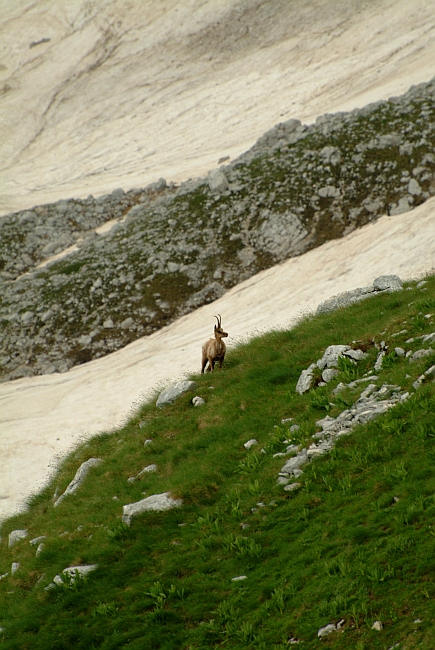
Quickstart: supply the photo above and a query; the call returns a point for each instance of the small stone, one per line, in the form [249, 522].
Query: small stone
[238, 578]
[400, 352]
[82, 570]
[305, 380]
[147, 442]
[170, 394]
[108, 324]
[14, 568]
[356, 355]
[40, 549]
[377, 625]
[15, 536]
[379, 360]
[292, 487]
[414, 187]
[148, 470]
[37, 540]
[156, 503]
[78, 479]
[327, 629]
[328, 374]
[250, 443]
[126, 324]
[420, 354]
[198, 401]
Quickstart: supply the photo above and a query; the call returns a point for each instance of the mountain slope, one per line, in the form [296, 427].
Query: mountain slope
[349, 547]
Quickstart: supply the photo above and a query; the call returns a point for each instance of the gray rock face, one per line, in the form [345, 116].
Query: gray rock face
[170, 394]
[155, 503]
[78, 478]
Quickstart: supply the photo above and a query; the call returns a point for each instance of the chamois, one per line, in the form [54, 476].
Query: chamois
[214, 349]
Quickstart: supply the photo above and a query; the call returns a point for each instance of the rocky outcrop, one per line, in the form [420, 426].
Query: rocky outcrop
[383, 284]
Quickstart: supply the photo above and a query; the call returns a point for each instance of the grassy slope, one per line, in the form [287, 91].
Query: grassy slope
[341, 547]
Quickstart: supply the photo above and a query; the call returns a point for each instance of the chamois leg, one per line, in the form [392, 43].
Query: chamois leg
[204, 363]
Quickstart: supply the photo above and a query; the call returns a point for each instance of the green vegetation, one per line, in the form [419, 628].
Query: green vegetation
[355, 542]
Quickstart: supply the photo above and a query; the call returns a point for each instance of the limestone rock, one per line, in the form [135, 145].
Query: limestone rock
[37, 540]
[81, 570]
[305, 380]
[420, 354]
[331, 356]
[154, 503]
[295, 463]
[377, 625]
[388, 283]
[78, 478]
[281, 234]
[170, 394]
[217, 181]
[382, 283]
[292, 487]
[356, 355]
[327, 629]
[15, 537]
[146, 470]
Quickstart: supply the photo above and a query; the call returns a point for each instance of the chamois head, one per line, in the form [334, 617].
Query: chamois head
[218, 328]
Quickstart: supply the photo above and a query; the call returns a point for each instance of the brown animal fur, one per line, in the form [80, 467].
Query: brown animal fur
[214, 349]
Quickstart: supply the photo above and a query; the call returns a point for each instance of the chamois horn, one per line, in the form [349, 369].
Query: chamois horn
[218, 320]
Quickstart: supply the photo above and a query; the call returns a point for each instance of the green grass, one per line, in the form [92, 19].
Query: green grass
[356, 542]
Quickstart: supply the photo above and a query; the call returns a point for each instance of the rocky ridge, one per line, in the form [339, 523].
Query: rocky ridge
[174, 249]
